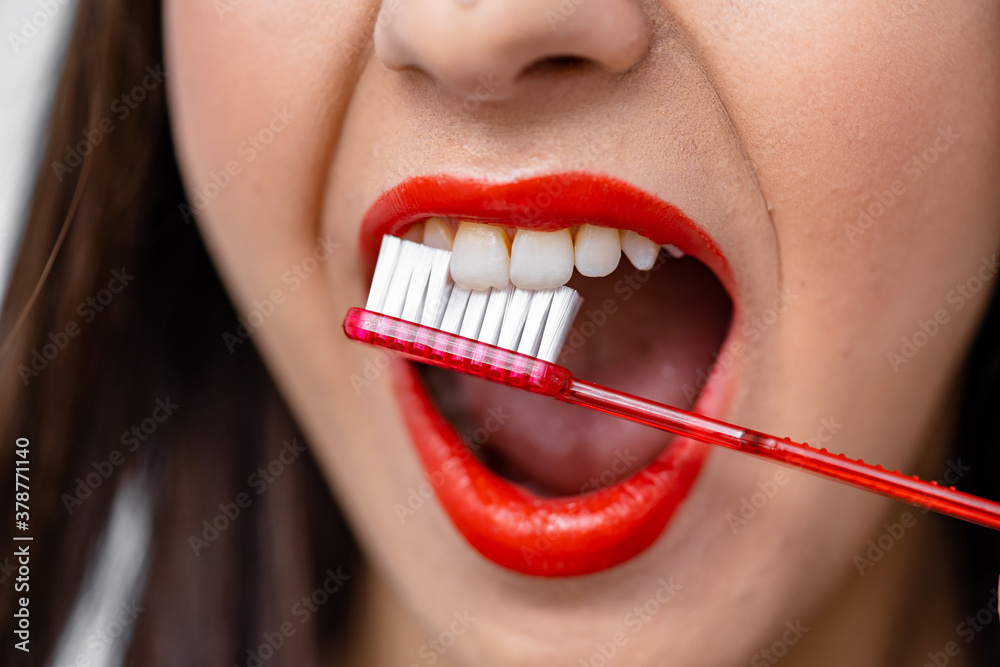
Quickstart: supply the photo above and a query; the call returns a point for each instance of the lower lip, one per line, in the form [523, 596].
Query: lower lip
[548, 537]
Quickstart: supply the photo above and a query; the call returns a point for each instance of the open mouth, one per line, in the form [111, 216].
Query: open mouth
[542, 487]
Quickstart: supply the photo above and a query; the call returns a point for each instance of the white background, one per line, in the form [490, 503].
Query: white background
[28, 75]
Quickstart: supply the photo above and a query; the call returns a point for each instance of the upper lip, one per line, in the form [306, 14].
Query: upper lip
[511, 526]
[545, 203]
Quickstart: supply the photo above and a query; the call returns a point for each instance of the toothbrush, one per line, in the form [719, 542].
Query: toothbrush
[513, 337]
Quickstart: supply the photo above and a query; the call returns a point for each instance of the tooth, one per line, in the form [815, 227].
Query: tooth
[597, 250]
[674, 251]
[414, 233]
[480, 256]
[641, 251]
[438, 234]
[541, 260]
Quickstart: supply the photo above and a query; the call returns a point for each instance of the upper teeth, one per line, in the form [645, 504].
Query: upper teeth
[538, 260]
[597, 250]
[639, 249]
[485, 256]
[437, 234]
[480, 256]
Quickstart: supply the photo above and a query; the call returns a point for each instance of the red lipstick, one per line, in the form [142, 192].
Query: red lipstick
[506, 523]
[544, 203]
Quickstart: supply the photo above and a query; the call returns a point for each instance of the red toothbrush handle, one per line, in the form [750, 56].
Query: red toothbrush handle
[457, 353]
[946, 500]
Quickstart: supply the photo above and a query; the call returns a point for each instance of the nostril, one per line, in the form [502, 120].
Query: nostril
[557, 65]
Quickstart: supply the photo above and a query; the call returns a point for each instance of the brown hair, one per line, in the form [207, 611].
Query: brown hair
[129, 311]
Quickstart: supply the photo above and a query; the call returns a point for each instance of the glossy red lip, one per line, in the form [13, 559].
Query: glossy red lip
[507, 524]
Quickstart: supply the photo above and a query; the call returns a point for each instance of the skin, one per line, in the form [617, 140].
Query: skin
[771, 124]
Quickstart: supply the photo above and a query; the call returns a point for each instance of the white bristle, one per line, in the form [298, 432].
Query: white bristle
[413, 282]
[384, 267]
[562, 312]
[439, 287]
[400, 282]
[474, 312]
[513, 319]
[417, 289]
[534, 323]
[455, 310]
[495, 309]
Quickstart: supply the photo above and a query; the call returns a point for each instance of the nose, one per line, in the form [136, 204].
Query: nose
[472, 45]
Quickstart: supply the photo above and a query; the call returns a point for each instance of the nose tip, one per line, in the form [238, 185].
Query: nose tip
[486, 47]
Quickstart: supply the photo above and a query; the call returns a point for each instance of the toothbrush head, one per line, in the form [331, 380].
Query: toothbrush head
[412, 282]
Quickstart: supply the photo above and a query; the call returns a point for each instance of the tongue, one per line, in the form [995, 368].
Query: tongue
[653, 334]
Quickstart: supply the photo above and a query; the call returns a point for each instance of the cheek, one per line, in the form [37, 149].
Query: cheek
[880, 197]
[257, 94]
[875, 152]
[257, 98]
[852, 108]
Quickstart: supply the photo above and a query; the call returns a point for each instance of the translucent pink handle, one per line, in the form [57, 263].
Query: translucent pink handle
[445, 350]
[913, 490]
[465, 355]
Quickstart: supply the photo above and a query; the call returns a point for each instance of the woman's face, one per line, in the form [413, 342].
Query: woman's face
[842, 157]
